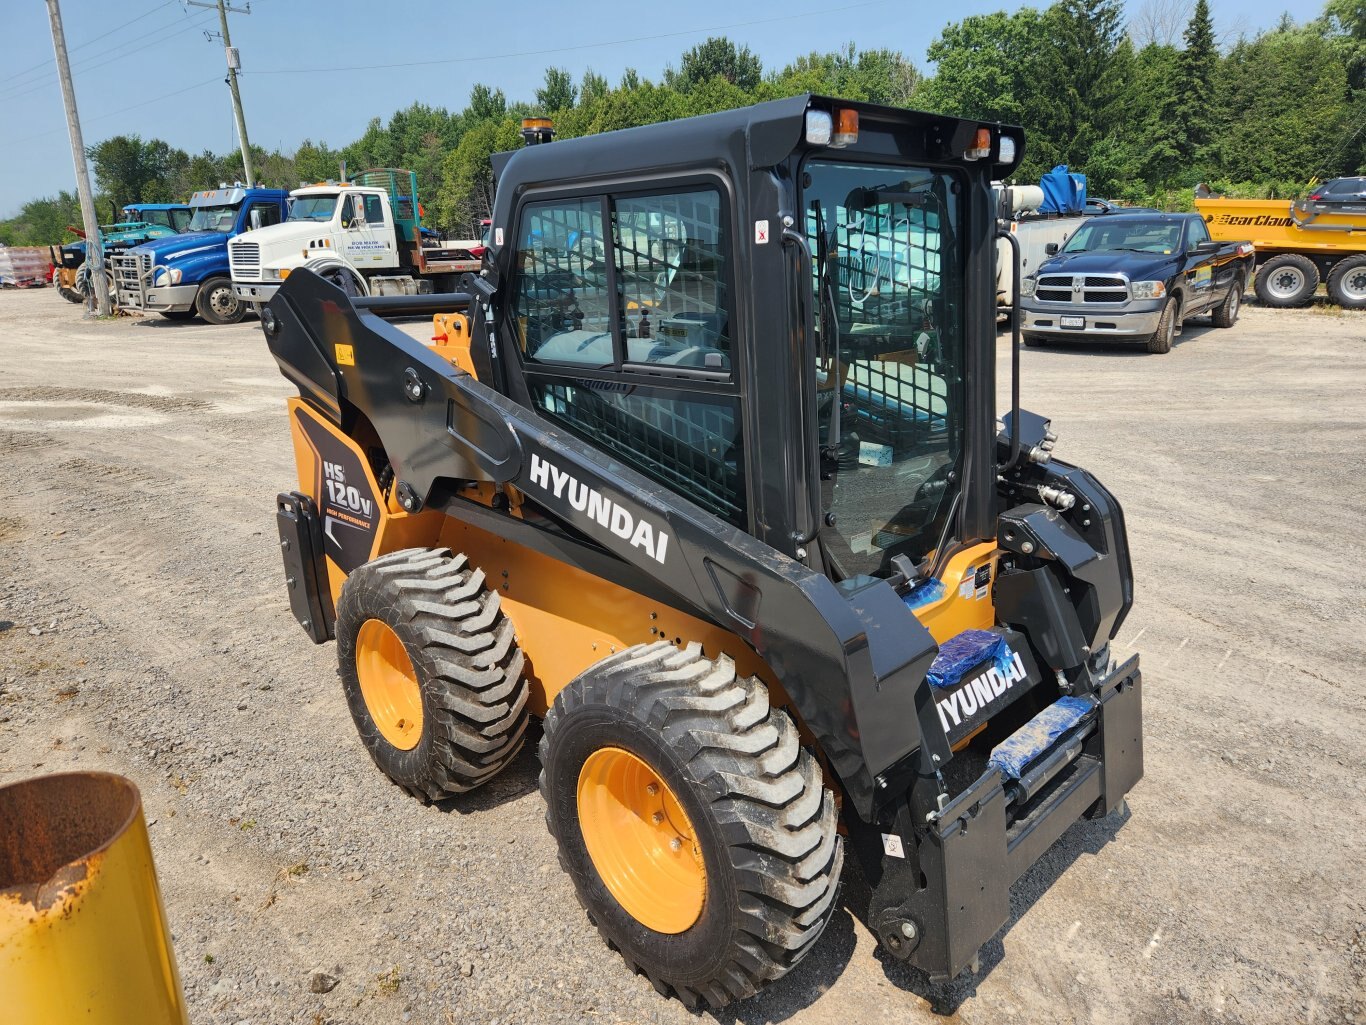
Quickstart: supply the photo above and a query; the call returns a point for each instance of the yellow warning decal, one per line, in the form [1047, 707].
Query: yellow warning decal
[346, 355]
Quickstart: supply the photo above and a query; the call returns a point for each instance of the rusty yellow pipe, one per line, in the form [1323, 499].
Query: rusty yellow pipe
[83, 934]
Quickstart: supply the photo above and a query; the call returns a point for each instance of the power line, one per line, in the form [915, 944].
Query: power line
[157, 37]
[122, 110]
[567, 49]
[98, 39]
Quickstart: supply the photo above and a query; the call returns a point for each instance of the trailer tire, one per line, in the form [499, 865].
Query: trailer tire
[1160, 341]
[217, 303]
[699, 835]
[1286, 281]
[431, 671]
[1226, 313]
[1347, 283]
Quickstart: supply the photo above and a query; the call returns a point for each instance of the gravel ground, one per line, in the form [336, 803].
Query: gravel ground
[144, 629]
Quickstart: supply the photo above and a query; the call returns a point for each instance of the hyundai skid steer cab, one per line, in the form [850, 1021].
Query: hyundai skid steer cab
[703, 470]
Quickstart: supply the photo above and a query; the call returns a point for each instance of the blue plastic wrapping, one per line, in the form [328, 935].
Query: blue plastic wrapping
[923, 593]
[1063, 192]
[1011, 755]
[968, 649]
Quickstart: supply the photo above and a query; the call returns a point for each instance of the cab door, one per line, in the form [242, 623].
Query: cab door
[1199, 269]
[366, 246]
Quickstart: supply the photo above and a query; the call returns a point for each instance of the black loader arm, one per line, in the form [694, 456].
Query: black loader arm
[855, 669]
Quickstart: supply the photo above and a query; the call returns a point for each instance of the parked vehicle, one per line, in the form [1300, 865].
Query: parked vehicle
[141, 223]
[366, 236]
[1345, 194]
[1298, 244]
[188, 275]
[1135, 277]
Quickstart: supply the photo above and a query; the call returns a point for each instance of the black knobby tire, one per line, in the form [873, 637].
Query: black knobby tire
[178, 314]
[764, 822]
[217, 303]
[1226, 313]
[1160, 341]
[1034, 341]
[71, 295]
[1347, 283]
[466, 659]
[1287, 280]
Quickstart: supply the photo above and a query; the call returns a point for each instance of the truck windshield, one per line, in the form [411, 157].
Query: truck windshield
[312, 208]
[1106, 233]
[221, 219]
[888, 358]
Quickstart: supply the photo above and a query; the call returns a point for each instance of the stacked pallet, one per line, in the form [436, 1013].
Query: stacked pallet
[24, 266]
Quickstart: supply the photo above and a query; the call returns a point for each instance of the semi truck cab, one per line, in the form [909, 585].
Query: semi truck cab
[365, 236]
[187, 274]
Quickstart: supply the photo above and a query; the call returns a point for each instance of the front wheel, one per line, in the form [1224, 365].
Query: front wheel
[178, 315]
[698, 832]
[217, 302]
[1160, 341]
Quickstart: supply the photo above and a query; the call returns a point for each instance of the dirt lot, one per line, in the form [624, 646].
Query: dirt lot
[144, 629]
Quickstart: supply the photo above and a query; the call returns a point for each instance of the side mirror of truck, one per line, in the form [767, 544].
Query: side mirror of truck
[257, 218]
[1051, 249]
[1206, 247]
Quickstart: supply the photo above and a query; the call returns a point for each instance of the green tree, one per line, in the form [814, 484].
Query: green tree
[130, 170]
[466, 191]
[1193, 110]
[593, 86]
[558, 93]
[486, 104]
[717, 57]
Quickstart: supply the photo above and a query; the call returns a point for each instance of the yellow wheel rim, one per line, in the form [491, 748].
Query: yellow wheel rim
[641, 841]
[388, 683]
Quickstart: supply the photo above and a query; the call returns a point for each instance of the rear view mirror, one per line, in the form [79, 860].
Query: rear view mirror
[1051, 249]
[257, 218]
[1208, 246]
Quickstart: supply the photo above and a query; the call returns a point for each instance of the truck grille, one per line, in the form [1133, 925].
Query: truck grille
[245, 260]
[1108, 288]
[128, 269]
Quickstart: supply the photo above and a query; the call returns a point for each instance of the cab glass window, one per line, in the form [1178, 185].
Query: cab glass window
[374, 210]
[671, 272]
[562, 307]
[262, 214]
[1196, 234]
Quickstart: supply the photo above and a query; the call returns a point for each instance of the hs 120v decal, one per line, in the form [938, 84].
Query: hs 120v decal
[347, 505]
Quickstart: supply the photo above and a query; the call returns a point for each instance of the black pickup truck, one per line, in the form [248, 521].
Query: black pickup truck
[1135, 277]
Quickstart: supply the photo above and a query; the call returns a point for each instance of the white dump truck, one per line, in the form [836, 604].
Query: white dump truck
[364, 235]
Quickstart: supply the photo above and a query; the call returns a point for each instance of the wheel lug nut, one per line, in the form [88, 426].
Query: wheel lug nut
[676, 844]
[652, 789]
[658, 817]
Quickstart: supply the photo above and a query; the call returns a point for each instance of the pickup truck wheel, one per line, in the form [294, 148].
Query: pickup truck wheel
[217, 303]
[1161, 340]
[1226, 313]
[1287, 280]
[1034, 341]
[1347, 283]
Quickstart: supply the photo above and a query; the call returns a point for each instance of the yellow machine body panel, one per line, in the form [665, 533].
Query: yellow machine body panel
[567, 619]
[1278, 225]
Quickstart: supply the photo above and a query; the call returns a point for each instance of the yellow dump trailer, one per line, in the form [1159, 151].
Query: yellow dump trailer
[1298, 245]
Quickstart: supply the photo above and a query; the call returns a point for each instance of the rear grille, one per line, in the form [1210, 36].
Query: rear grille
[245, 260]
[1109, 288]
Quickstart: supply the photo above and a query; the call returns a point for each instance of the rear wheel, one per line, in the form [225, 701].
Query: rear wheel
[697, 831]
[1287, 280]
[1160, 341]
[1226, 313]
[1347, 283]
[217, 303]
[431, 671]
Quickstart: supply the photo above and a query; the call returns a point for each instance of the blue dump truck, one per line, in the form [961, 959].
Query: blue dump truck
[187, 275]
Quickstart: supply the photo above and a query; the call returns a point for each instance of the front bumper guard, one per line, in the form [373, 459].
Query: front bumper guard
[949, 892]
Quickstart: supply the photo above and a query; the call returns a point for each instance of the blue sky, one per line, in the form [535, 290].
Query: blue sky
[144, 67]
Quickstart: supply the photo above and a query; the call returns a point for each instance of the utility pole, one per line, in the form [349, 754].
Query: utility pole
[94, 247]
[234, 62]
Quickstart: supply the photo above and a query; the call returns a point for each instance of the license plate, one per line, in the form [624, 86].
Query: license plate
[1072, 322]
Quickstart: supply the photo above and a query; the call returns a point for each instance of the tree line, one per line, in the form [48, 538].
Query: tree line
[1145, 109]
